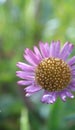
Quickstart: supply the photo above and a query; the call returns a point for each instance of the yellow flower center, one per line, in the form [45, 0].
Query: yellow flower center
[53, 74]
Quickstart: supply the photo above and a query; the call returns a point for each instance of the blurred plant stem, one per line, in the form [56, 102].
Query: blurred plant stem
[55, 120]
[24, 123]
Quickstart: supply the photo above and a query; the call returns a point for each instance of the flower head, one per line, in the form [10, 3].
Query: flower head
[48, 68]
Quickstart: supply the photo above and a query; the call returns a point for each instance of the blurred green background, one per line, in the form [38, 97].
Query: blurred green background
[23, 23]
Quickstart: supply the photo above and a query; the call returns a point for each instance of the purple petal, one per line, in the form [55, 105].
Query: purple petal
[72, 61]
[68, 51]
[65, 93]
[73, 83]
[32, 88]
[49, 97]
[32, 56]
[23, 75]
[57, 48]
[24, 82]
[45, 99]
[25, 67]
[73, 68]
[62, 96]
[37, 52]
[64, 50]
[52, 49]
[72, 88]
[27, 58]
[28, 94]
[46, 45]
[73, 76]
[43, 49]
[26, 73]
[73, 72]
[69, 94]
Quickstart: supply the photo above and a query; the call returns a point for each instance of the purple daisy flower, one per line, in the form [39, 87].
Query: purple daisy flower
[48, 69]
